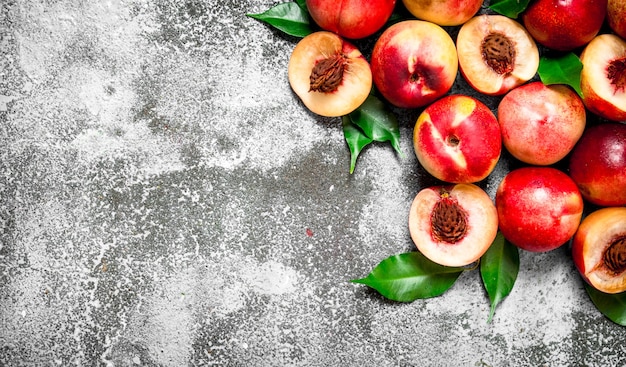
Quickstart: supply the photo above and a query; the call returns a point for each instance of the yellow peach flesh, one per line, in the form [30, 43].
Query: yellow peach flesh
[481, 230]
[357, 79]
[473, 65]
[600, 95]
[596, 231]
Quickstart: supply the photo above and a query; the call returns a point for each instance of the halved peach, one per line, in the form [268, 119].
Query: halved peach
[453, 225]
[329, 74]
[599, 249]
[603, 78]
[496, 54]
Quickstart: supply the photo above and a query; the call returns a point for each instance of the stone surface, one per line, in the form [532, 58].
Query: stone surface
[166, 200]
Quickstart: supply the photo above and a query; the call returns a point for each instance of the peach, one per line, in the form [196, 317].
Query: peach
[603, 77]
[496, 54]
[444, 12]
[539, 208]
[564, 25]
[351, 18]
[598, 164]
[453, 225]
[457, 139]
[329, 74]
[541, 123]
[599, 249]
[616, 16]
[414, 62]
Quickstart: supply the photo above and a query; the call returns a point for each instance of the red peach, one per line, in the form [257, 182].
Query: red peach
[539, 208]
[444, 12]
[351, 18]
[616, 16]
[414, 62]
[541, 123]
[457, 139]
[598, 164]
[564, 25]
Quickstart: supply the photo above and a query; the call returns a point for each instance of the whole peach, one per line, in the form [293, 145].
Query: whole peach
[598, 164]
[616, 16]
[457, 139]
[539, 208]
[564, 25]
[414, 62]
[351, 18]
[541, 123]
[444, 12]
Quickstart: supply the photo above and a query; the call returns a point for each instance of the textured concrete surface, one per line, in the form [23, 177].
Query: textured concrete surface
[166, 200]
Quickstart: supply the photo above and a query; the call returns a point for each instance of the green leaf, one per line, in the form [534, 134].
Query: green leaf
[289, 17]
[561, 70]
[498, 268]
[509, 8]
[410, 276]
[356, 140]
[612, 306]
[302, 5]
[377, 122]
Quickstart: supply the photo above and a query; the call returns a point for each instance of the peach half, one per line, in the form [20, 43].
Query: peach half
[457, 139]
[453, 225]
[496, 54]
[599, 249]
[603, 78]
[329, 74]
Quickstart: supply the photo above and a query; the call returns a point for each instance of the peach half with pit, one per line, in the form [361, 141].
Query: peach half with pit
[453, 225]
[352, 19]
[414, 62]
[541, 123]
[539, 208]
[330, 75]
[457, 139]
[599, 249]
[496, 54]
[603, 77]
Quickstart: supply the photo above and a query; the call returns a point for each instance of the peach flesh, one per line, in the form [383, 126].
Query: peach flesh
[539, 208]
[453, 225]
[457, 139]
[330, 75]
[414, 63]
[541, 123]
[603, 77]
[599, 249]
[496, 54]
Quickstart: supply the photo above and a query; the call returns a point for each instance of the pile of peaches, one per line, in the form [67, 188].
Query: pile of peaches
[459, 140]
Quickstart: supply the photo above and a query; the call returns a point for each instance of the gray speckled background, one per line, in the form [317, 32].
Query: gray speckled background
[166, 200]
